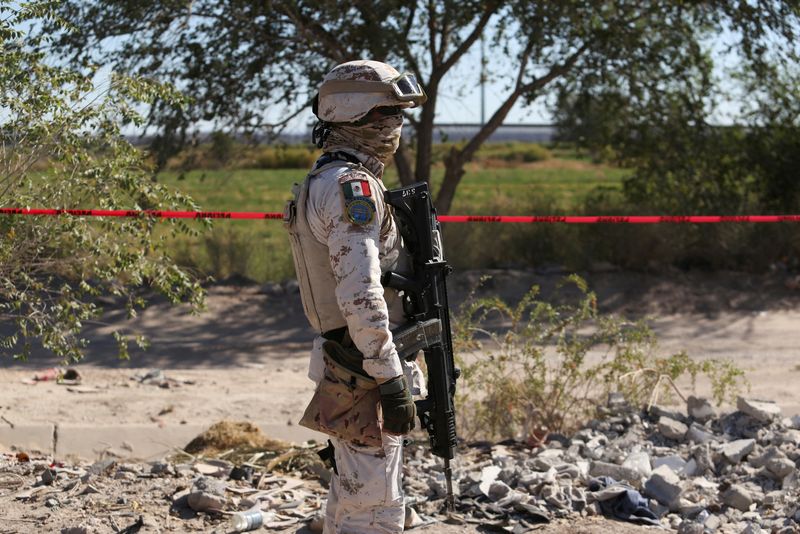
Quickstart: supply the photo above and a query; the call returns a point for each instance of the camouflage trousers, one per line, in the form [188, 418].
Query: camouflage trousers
[366, 496]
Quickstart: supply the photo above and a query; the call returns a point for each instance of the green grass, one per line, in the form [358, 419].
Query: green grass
[259, 249]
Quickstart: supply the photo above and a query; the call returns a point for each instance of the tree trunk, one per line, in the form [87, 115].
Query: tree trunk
[453, 171]
[401, 161]
[425, 134]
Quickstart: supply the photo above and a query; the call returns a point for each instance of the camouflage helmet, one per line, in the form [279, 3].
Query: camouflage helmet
[352, 89]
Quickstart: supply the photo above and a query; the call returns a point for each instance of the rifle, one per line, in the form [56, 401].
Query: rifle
[426, 309]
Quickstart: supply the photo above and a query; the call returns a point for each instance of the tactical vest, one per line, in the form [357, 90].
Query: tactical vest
[312, 259]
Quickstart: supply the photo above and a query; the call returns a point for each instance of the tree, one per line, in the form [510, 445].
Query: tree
[238, 57]
[60, 146]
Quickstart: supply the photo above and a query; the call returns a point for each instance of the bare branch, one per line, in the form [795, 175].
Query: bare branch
[471, 38]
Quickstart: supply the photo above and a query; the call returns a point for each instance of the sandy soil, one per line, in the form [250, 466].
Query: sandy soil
[245, 358]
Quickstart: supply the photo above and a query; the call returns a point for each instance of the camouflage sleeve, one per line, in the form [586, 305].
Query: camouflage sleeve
[354, 256]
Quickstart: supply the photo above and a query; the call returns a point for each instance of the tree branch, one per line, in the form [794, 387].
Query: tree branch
[471, 38]
[314, 31]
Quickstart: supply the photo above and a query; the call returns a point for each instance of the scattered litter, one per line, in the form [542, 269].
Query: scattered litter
[156, 377]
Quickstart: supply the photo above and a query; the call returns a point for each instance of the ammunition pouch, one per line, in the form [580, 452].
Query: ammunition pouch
[347, 400]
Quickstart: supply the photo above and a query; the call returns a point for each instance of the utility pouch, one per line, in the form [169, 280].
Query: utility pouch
[346, 402]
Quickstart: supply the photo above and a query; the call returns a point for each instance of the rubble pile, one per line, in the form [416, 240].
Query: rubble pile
[692, 471]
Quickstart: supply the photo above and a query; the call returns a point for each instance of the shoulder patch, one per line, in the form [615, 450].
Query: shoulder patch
[359, 210]
[354, 189]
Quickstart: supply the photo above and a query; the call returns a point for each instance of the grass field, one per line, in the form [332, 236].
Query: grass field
[259, 249]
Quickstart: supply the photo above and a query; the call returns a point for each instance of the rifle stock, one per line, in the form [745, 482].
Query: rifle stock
[426, 309]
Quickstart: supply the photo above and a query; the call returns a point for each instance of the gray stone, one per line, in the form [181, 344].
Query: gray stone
[659, 411]
[700, 409]
[739, 497]
[788, 436]
[640, 461]
[672, 429]
[664, 486]
[75, 530]
[712, 522]
[690, 469]
[764, 411]
[762, 459]
[699, 434]
[773, 497]
[673, 461]
[617, 472]
[691, 527]
[795, 422]
[734, 451]
[780, 467]
[207, 495]
[498, 490]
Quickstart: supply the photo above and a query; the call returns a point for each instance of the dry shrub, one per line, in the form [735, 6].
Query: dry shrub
[546, 366]
[236, 435]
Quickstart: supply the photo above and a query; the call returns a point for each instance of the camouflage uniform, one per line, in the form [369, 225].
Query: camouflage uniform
[343, 237]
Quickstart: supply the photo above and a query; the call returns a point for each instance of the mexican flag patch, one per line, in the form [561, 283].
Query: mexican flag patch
[356, 189]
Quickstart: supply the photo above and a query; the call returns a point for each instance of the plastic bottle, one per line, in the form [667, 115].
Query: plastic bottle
[244, 521]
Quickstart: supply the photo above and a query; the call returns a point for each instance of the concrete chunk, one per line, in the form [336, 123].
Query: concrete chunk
[672, 429]
[764, 411]
[617, 472]
[737, 496]
[736, 450]
[699, 434]
[780, 467]
[640, 461]
[664, 486]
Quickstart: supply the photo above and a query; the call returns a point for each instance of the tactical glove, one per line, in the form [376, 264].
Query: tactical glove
[398, 406]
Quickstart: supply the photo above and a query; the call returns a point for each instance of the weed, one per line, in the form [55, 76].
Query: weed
[545, 366]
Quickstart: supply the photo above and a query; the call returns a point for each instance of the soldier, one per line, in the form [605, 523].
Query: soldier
[343, 237]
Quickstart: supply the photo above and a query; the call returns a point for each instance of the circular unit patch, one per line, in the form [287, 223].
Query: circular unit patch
[360, 211]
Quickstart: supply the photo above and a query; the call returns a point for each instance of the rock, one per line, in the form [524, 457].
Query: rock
[162, 468]
[207, 495]
[739, 497]
[498, 490]
[762, 459]
[664, 486]
[700, 409]
[48, 476]
[640, 461]
[488, 477]
[736, 450]
[698, 434]
[712, 522]
[764, 411]
[656, 412]
[617, 472]
[673, 461]
[691, 527]
[75, 530]
[795, 422]
[780, 467]
[672, 429]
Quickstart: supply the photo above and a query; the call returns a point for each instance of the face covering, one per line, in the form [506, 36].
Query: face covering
[378, 139]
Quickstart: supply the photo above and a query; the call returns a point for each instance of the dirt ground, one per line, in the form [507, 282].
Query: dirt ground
[245, 358]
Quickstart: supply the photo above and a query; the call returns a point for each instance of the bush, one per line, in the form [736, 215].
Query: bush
[288, 157]
[546, 366]
[52, 270]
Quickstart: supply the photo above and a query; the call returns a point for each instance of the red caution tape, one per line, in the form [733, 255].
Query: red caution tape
[595, 219]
